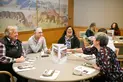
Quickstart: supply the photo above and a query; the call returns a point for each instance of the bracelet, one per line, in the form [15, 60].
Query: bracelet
[13, 60]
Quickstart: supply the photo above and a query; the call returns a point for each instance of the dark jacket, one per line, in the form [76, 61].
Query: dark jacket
[89, 33]
[116, 32]
[75, 43]
[12, 50]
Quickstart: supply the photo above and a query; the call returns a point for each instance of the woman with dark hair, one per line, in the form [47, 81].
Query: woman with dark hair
[69, 38]
[91, 30]
[114, 26]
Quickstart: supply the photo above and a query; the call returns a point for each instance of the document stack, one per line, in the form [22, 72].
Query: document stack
[59, 52]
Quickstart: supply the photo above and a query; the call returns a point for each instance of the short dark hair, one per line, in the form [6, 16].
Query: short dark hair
[102, 30]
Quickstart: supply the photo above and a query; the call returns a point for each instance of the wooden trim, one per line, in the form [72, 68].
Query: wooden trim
[70, 12]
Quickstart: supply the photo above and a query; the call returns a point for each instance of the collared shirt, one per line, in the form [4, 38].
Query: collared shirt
[35, 45]
[3, 57]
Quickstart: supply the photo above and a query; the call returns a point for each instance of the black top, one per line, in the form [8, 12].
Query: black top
[75, 43]
[89, 33]
[116, 32]
[13, 50]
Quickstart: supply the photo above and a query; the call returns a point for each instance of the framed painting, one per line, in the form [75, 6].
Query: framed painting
[28, 14]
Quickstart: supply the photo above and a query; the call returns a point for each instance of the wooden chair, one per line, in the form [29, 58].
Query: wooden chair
[8, 73]
[117, 51]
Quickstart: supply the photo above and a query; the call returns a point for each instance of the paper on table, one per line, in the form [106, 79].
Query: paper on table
[30, 60]
[85, 70]
[89, 57]
[17, 69]
[54, 76]
[78, 54]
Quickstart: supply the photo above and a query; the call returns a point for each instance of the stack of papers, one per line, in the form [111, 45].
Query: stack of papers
[23, 68]
[30, 60]
[90, 57]
[51, 77]
[78, 54]
[81, 70]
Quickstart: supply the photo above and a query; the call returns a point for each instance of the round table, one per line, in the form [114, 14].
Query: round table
[66, 69]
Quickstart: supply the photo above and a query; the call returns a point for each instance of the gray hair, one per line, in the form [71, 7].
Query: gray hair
[9, 30]
[35, 30]
[103, 38]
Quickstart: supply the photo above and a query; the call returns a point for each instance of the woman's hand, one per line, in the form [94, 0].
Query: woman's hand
[96, 67]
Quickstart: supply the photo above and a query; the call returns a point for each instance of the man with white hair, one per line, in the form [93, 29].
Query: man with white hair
[37, 42]
[10, 52]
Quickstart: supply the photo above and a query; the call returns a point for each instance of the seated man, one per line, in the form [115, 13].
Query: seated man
[37, 42]
[10, 52]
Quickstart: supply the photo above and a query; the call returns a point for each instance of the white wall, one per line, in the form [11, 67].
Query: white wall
[102, 12]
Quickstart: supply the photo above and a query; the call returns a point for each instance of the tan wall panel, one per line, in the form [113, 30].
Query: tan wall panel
[53, 35]
[82, 28]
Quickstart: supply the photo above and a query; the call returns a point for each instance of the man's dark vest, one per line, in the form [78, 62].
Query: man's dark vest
[13, 51]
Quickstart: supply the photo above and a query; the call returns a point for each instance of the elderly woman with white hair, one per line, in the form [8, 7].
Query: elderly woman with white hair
[37, 42]
[11, 51]
[106, 60]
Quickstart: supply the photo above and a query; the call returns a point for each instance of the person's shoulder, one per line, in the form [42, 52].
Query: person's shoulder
[88, 31]
[62, 37]
[43, 37]
[31, 37]
[19, 41]
[3, 40]
[109, 49]
[75, 37]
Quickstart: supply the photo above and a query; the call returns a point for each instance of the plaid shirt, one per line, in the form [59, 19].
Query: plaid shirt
[107, 61]
[3, 57]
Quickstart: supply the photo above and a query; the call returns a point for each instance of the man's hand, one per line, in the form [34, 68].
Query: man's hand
[48, 51]
[21, 59]
[41, 40]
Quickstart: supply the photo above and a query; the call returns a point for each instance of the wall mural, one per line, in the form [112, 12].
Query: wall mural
[26, 14]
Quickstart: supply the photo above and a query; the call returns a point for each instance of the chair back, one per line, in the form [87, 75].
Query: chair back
[117, 51]
[8, 73]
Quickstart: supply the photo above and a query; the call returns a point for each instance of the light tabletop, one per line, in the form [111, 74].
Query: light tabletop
[66, 69]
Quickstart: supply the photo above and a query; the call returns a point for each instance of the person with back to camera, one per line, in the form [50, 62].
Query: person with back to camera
[69, 38]
[110, 42]
[91, 30]
[114, 26]
[106, 60]
[37, 42]
[11, 51]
